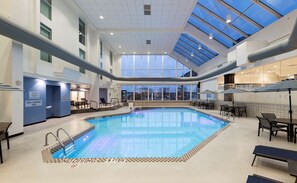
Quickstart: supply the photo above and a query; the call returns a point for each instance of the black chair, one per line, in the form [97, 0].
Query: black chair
[224, 109]
[242, 110]
[84, 102]
[4, 135]
[102, 100]
[271, 116]
[266, 124]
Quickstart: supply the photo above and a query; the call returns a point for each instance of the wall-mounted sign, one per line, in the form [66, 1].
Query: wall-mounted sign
[34, 95]
[33, 103]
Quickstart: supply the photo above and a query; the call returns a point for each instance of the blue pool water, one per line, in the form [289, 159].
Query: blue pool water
[159, 132]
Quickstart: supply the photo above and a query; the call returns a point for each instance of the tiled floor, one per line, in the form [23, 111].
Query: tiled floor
[227, 158]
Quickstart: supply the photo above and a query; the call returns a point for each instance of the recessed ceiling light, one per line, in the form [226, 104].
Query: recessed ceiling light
[242, 73]
[124, 53]
[148, 52]
[111, 33]
[199, 47]
[120, 46]
[210, 36]
[101, 17]
[165, 52]
[257, 70]
[228, 19]
[134, 52]
[192, 54]
[275, 66]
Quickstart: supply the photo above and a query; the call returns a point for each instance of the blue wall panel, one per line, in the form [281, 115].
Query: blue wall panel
[51, 93]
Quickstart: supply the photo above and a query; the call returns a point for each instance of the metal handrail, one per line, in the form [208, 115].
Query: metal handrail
[65, 133]
[61, 144]
[116, 100]
[93, 101]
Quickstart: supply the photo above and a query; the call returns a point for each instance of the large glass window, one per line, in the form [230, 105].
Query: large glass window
[46, 32]
[46, 8]
[194, 92]
[187, 92]
[82, 32]
[141, 92]
[180, 92]
[155, 92]
[151, 66]
[130, 91]
[169, 92]
[82, 55]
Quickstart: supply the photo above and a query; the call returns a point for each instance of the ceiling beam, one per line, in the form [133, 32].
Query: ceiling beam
[180, 58]
[114, 30]
[221, 19]
[214, 28]
[238, 13]
[203, 38]
[267, 8]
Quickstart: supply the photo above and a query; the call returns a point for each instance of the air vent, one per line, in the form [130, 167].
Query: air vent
[148, 41]
[147, 9]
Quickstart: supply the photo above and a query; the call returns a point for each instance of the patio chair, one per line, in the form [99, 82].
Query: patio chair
[266, 124]
[224, 109]
[271, 116]
[4, 136]
[260, 179]
[274, 153]
[102, 100]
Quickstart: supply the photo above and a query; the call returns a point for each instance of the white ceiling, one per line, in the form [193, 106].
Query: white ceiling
[131, 28]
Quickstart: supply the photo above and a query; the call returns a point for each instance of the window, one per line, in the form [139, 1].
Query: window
[46, 32]
[46, 8]
[101, 49]
[111, 58]
[82, 55]
[82, 32]
[194, 92]
[169, 92]
[155, 92]
[101, 67]
[141, 92]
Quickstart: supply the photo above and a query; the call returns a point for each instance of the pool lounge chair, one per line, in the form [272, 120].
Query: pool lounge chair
[274, 153]
[260, 179]
[272, 127]
[102, 101]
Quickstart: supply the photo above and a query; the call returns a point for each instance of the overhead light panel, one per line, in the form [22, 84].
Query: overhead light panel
[210, 36]
[101, 17]
[199, 47]
[192, 54]
[228, 19]
[165, 53]
[124, 53]
[120, 46]
[147, 9]
[111, 33]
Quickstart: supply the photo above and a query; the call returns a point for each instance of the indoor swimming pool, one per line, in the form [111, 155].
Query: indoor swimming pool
[145, 133]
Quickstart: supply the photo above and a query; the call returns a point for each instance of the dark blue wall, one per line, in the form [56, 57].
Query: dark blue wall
[52, 93]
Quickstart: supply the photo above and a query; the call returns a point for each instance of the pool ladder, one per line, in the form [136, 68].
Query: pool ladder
[58, 139]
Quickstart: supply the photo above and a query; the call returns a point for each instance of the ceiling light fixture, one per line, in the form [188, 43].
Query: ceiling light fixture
[210, 36]
[120, 46]
[165, 53]
[101, 17]
[192, 54]
[111, 33]
[228, 19]
[199, 47]
[124, 53]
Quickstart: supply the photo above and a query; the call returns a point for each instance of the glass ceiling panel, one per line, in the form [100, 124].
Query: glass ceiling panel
[189, 51]
[204, 28]
[188, 54]
[194, 41]
[237, 21]
[280, 6]
[179, 50]
[260, 15]
[193, 50]
[245, 26]
[240, 5]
